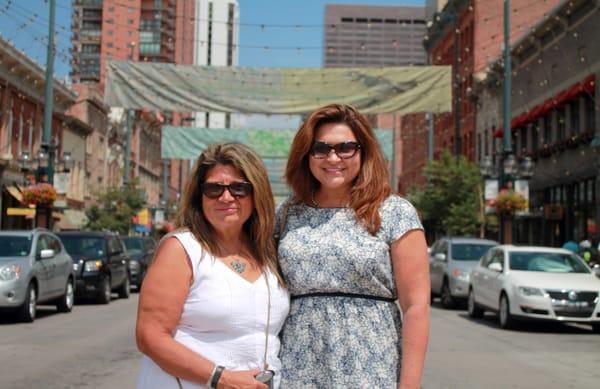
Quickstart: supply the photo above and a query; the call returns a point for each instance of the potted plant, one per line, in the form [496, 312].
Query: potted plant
[42, 194]
[509, 201]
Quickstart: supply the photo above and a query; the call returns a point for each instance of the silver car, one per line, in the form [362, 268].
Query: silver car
[34, 268]
[450, 263]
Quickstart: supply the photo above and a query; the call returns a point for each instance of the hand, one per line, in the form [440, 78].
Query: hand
[243, 379]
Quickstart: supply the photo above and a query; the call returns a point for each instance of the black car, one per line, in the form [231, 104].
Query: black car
[101, 263]
[140, 250]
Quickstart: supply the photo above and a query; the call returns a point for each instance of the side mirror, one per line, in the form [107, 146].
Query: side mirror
[596, 270]
[45, 254]
[440, 257]
[495, 266]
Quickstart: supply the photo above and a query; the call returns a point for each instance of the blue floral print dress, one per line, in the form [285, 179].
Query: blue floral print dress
[339, 341]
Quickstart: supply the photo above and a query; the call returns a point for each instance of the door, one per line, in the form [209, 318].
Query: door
[116, 261]
[489, 279]
[497, 281]
[62, 265]
[438, 267]
[43, 269]
[477, 276]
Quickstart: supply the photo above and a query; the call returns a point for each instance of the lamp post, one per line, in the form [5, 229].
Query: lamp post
[505, 176]
[40, 166]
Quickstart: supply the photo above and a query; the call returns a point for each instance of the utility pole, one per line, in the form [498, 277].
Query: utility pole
[457, 82]
[47, 134]
[506, 108]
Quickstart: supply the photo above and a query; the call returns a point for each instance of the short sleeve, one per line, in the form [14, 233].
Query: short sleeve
[398, 217]
[280, 215]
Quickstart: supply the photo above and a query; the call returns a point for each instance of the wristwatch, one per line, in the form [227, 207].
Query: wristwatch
[215, 376]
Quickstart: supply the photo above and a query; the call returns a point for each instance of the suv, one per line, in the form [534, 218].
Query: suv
[34, 268]
[101, 263]
[450, 264]
[140, 250]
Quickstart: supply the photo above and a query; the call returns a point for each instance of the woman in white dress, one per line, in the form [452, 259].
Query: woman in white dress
[213, 301]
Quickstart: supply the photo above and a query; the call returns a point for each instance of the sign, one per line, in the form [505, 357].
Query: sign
[20, 211]
[142, 221]
[491, 189]
[159, 216]
[61, 182]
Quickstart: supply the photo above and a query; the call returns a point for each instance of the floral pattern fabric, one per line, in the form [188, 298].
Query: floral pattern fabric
[336, 341]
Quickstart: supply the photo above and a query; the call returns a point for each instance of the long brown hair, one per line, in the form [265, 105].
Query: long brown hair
[259, 227]
[371, 186]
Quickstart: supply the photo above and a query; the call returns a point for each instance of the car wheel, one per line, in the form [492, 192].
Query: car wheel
[104, 292]
[27, 311]
[65, 303]
[124, 289]
[446, 296]
[474, 311]
[507, 320]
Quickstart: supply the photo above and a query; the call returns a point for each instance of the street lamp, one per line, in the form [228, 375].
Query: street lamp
[511, 172]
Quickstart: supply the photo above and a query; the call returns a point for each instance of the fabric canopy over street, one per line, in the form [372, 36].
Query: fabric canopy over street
[189, 88]
[272, 146]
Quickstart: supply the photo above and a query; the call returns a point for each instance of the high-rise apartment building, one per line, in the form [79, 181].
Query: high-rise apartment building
[216, 30]
[360, 35]
[145, 30]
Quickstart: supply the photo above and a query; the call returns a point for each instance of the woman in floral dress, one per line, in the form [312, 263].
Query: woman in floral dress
[350, 250]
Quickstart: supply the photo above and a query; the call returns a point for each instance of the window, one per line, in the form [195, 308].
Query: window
[590, 114]
[548, 129]
[113, 245]
[575, 122]
[89, 48]
[560, 124]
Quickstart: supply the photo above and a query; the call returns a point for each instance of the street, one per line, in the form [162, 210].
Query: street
[94, 347]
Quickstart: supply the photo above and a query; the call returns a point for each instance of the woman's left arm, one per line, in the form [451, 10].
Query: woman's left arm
[411, 274]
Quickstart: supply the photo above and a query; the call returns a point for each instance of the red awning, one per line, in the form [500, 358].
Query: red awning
[585, 86]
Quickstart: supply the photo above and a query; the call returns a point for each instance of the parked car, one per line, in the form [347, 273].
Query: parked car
[540, 283]
[450, 264]
[34, 268]
[101, 263]
[140, 250]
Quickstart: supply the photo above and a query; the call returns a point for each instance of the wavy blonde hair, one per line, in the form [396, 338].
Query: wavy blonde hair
[259, 227]
[371, 186]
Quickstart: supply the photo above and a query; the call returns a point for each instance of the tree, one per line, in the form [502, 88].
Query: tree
[450, 201]
[115, 209]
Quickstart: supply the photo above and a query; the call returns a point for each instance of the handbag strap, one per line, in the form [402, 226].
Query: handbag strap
[265, 364]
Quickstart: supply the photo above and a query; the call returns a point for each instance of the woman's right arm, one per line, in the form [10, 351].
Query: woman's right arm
[162, 298]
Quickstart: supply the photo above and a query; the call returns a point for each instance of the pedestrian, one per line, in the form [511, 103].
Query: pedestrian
[571, 246]
[213, 301]
[588, 253]
[348, 250]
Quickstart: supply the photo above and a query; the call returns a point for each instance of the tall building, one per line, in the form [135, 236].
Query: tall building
[137, 30]
[432, 7]
[360, 35]
[216, 29]
[145, 30]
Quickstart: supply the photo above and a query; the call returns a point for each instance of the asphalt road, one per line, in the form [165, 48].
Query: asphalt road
[93, 347]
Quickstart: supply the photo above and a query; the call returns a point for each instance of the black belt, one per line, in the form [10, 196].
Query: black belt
[340, 294]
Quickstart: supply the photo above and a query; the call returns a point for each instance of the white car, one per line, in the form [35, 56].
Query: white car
[540, 283]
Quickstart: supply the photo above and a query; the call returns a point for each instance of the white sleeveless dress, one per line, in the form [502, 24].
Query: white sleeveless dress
[224, 319]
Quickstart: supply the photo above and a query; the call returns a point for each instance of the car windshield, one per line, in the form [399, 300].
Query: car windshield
[547, 262]
[469, 251]
[134, 245]
[15, 245]
[84, 245]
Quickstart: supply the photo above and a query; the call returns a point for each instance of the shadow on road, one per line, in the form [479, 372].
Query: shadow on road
[542, 327]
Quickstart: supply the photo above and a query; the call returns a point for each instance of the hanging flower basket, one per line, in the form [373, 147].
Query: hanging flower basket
[39, 194]
[509, 201]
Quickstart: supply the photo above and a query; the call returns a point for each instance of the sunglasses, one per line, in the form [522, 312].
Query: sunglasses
[214, 190]
[344, 150]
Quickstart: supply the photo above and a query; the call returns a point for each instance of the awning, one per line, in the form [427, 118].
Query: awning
[586, 86]
[15, 192]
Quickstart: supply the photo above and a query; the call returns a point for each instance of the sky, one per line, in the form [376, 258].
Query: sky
[25, 24]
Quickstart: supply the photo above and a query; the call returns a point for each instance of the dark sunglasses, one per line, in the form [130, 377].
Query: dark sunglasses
[214, 190]
[344, 150]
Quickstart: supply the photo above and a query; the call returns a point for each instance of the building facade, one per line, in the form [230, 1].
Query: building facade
[555, 115]
[22, 85]
[359, 35]
[216, 28]
[137, 30]
[466, 35]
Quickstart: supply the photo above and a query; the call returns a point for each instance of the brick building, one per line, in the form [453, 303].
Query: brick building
[467, 35]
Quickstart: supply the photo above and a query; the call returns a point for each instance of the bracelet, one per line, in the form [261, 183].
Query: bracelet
[215, 376]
